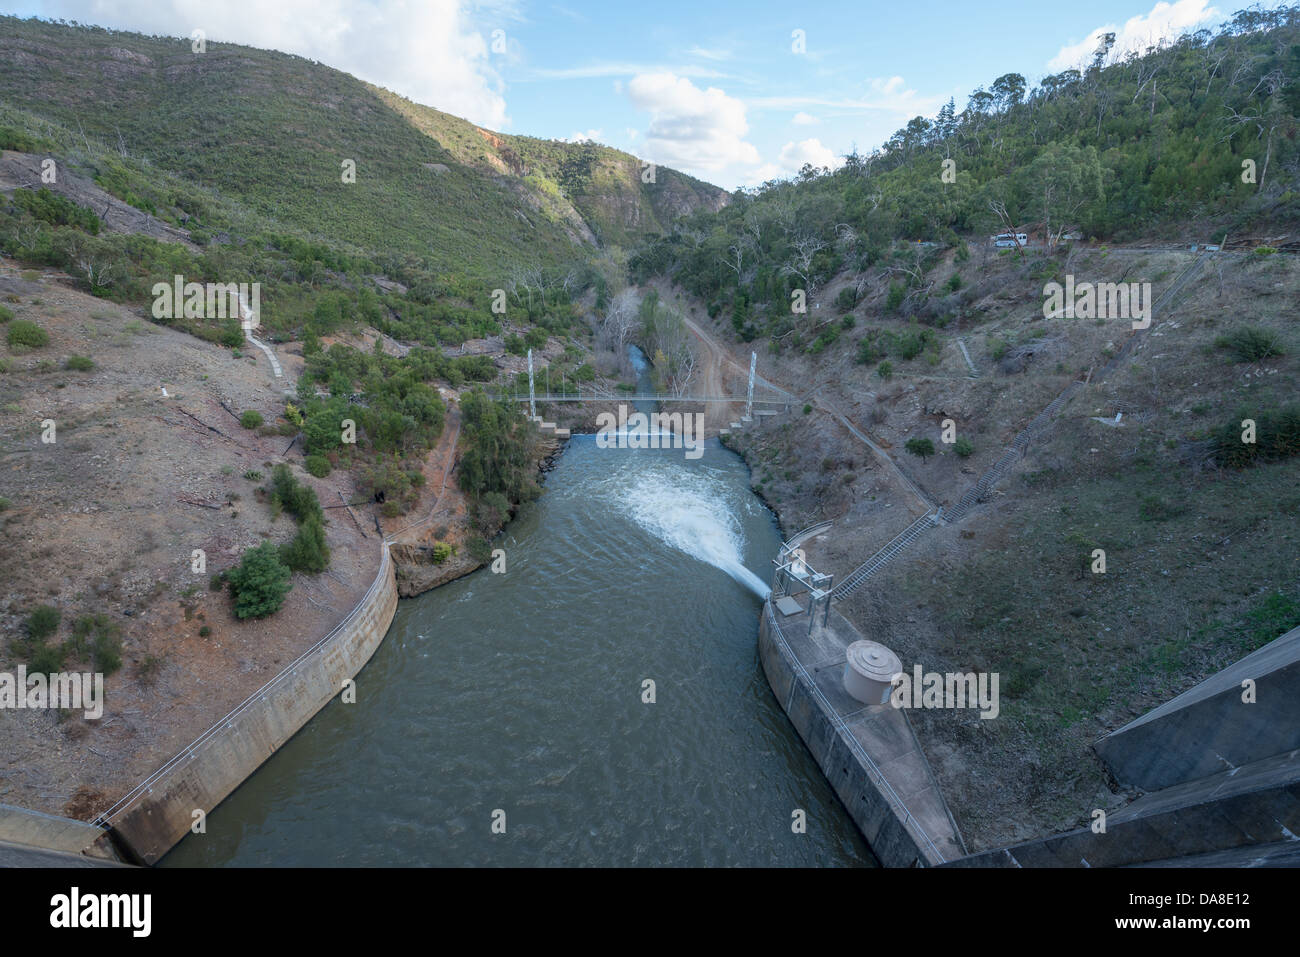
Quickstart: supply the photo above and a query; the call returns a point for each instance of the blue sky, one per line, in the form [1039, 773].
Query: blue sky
[716, 88]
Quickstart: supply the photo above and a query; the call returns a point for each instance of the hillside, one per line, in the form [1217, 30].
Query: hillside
[270, 132]
[907, 341]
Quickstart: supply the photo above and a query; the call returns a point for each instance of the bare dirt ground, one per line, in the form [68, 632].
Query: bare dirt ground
[106, 518]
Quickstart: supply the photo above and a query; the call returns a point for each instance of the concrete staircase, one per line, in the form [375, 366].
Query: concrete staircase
[548, 427]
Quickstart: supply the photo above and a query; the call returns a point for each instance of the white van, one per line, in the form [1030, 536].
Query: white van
[1008, 240]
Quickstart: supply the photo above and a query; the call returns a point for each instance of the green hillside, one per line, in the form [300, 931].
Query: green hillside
[271, 131]
[1144, 147]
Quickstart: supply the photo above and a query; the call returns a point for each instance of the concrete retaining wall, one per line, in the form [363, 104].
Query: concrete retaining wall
[880, 823]
[159, 812]
[19, 826]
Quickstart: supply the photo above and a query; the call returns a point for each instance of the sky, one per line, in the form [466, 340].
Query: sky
[735, 93]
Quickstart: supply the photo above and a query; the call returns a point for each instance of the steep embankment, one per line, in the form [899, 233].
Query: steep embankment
[105, 520]
[1200, 561]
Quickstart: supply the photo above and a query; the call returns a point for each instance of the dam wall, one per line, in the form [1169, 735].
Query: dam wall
[1215, 725]
[153, 817]
[869, 755]
[20, 827]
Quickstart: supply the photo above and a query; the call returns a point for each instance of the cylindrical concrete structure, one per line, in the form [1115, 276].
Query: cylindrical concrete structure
[869, 672]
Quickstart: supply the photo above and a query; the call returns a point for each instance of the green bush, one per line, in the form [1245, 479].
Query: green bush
[441, 552]
[232, 334]
[1251, 343]
[885, 370]
[807, 409]
[260, 582]
[920, 447]
[45, 659]
[251, 419]
[1277, 437]
[317, 465]
[6, 313]
[43, 622]
[297, 499]
[205, 631]
[479, 549]
[963, 447]
[308, 551]
[79, 364]
[23, 332]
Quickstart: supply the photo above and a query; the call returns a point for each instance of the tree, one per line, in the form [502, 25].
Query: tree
[920, 447]
[1008, 90]
[259, 583]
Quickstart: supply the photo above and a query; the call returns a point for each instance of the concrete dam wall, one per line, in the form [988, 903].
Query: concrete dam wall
[152, 818]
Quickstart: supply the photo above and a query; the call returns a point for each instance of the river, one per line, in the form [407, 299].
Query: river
[521, 698]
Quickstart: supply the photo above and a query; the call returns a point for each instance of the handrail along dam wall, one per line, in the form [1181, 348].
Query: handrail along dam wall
[159, 811]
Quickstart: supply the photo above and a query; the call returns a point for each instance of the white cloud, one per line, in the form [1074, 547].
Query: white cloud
[883, 94]
[700, 131]
[591, 136]
[1165, 21]
[804, 119]
[431, 51]
[795, 155]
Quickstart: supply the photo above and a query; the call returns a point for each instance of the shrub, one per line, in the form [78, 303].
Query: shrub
[920, 447]
[259, 583]
[79, 364]
[963, 447]
[43, 622]
[1251, 343]
[441, 552]
[205, 631]
[291, 495]
[1277, 436]
[308, 551]
[23, 332]
[251, 419]
[897, 291]
[232, 334]
[216, 581]
[6, 313]
[253, 475]
[885, 370]
[4, 503]
[479, 549]
[807, 409]
[45, 659]
[317, 465]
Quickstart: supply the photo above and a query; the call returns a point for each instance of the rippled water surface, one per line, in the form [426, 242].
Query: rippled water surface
[523, 692]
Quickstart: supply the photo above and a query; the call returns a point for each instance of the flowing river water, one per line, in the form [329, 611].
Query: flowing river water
[524, 692]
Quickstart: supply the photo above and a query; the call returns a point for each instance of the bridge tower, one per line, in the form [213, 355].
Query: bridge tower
[749, 400]
[532, 396]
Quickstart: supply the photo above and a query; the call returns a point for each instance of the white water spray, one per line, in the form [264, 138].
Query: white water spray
[689, 514]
